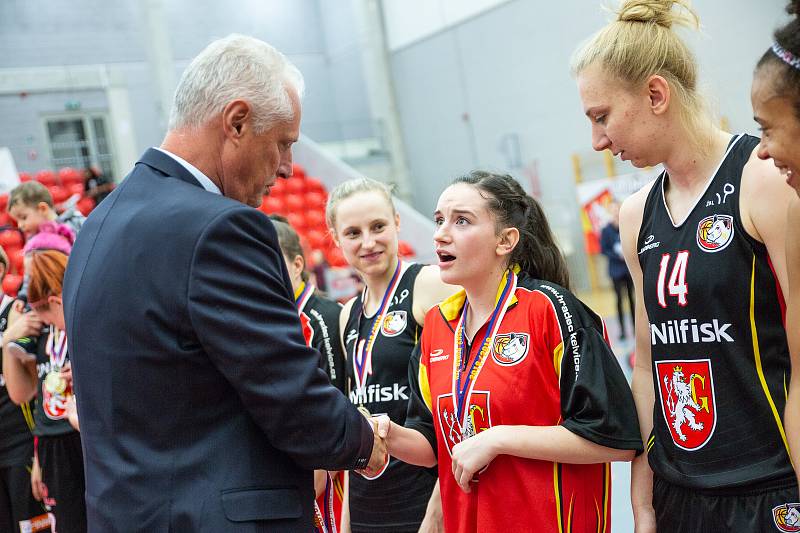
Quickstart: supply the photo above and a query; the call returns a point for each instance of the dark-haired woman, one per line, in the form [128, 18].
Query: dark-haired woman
[319, 317]
[776, 108]
[516, 393]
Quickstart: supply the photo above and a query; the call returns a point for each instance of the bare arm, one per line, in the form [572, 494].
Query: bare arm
[21, 378]
[642, 384]
[406, 444]
[430, 290]
[792, 412]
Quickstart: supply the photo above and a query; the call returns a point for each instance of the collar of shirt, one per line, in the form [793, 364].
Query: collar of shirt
[204, 180]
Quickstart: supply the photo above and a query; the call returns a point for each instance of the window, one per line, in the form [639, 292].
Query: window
[78, 141]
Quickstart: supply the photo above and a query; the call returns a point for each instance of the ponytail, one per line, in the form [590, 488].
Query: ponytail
[536, 253]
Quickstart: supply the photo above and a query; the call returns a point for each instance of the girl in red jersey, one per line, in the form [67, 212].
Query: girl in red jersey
[776, 107]
[516, 394]
[705, 245]
[380, 328]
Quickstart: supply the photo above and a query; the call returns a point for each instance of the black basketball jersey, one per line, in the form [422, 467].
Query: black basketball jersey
[320, 319]
[50, 414]
[720, 356]
[396, 500]
[16, 421]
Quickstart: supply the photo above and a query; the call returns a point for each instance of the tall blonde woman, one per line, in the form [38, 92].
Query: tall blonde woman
[705, 246]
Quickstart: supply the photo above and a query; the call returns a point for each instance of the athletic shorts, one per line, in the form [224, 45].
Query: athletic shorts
[61, 459]
[19, 511]
[767, 507]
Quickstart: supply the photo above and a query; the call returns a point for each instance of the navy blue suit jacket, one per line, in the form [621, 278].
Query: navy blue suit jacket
[201, 407]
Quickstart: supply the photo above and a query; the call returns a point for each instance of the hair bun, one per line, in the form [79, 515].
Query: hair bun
[793, 8]
[658, 12]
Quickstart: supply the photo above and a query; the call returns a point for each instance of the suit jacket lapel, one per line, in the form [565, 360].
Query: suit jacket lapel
[164, 164]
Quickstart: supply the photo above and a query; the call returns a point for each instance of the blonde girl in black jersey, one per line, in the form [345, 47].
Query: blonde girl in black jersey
[638, 85]
[364, 223]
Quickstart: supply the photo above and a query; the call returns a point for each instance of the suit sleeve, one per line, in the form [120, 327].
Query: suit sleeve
[419, 416]
[243, 313]
[596, 401]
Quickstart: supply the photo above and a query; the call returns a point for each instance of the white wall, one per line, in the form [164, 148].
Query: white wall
[468, 92]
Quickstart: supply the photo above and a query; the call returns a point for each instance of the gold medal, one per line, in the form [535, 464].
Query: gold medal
[54, 383]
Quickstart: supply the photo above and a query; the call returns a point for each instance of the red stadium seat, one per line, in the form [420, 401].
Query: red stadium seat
[405, 250]
[6, 220]
[316, 199]
[335, 257]
[75, 188]
[295, 186]
[315, 218]
[317, 238]
[16, 258]
[294, 203]
[298, 171]
[24, 176]
[58, 193]
[85, 205]
[11, 284]
[273, 204]
[314, 185]
[11, 238]
[47, 178]
[3, 202]
[297, 220]
[70, 176]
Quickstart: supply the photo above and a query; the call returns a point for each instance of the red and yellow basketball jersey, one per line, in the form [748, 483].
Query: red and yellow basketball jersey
[549, 364]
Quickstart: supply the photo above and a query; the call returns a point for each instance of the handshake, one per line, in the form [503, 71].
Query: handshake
[379, 459]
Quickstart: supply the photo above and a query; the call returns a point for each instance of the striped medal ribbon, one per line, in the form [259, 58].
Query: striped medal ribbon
[463, 383]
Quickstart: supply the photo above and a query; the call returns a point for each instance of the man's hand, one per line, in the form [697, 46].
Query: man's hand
[380, 455]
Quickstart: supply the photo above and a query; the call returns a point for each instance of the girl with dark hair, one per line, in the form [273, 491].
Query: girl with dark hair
[776, 108]
[319, 317]
[705, 245]
[516, 394]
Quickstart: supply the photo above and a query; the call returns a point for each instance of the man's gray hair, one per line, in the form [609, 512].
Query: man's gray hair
[232, 68]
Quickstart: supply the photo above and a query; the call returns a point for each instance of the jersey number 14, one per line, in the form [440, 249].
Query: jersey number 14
[677, 279]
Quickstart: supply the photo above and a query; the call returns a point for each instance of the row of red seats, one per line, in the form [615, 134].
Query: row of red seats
[302, 200]
[62, 185]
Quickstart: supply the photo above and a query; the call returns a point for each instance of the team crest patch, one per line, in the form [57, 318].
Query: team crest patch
[787, 517]
[715, 233]
[478, 418]
[394, 323]
[687, 401]
[510, 348]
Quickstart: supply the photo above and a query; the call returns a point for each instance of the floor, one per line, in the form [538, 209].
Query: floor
[604, 303]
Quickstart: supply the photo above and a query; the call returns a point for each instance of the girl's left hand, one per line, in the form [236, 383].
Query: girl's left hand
[473, 455]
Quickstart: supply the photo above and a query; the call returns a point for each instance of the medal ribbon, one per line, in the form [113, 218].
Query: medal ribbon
[56, 348]
[303, 297]
[362, 352]
[463, 391]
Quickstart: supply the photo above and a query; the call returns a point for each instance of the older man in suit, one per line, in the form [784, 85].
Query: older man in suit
[201, 407]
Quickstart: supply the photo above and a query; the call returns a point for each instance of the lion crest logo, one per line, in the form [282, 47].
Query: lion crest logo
[394, 323]
[510, 348]
[478, 418]
[715, 233]
[687, 401]
[787, 517]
